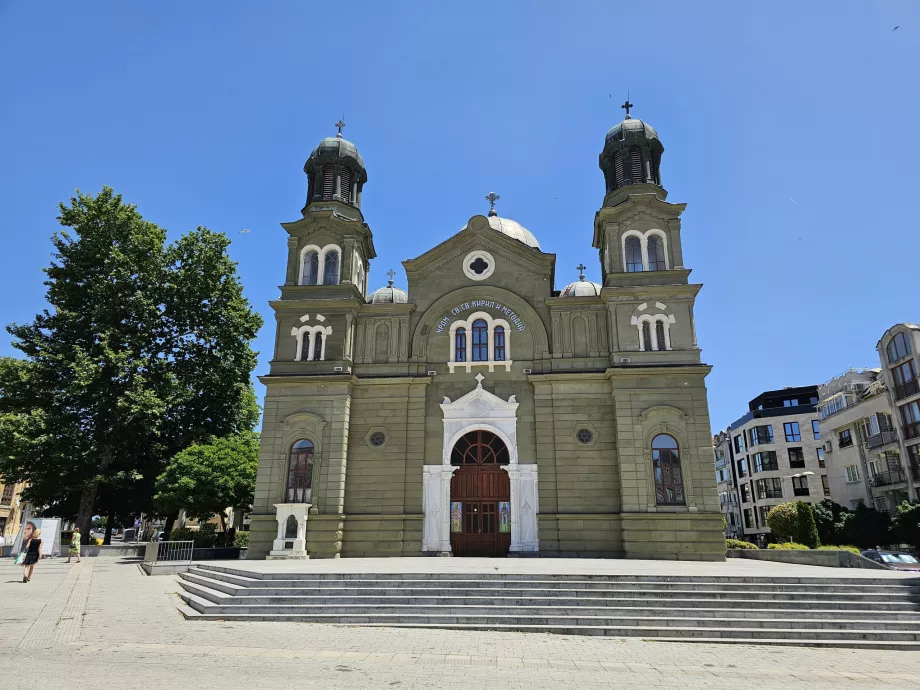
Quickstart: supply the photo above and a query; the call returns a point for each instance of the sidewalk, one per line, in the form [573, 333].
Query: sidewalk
[103, 624]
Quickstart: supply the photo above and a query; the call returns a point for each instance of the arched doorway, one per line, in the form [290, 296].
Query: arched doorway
[480, 496]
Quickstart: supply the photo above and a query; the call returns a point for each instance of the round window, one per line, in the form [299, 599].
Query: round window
[377, 439]
[585, 436]
[478, 265]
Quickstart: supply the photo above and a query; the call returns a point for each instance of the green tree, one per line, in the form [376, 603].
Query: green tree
[906, 524]
[807, 529]
[830, 518]
[867, 528]
[783, 520]
[207, 478]
[143, 351]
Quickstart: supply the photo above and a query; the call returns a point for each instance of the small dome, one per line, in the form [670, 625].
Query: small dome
[581, 288]
[631, 127]
[388, 295]
[512, 229]
[336, 147]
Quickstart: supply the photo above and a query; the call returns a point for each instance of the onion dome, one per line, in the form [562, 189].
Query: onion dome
[632, 153]
[508, 227]
[388, 294]
[581, 287]
[335, 171]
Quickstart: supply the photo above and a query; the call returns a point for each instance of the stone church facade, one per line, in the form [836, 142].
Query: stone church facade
[483, 411]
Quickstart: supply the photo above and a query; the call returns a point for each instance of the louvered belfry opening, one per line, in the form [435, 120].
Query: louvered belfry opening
[328, 181]
[345, 187]
[618, 169]
[635, 165]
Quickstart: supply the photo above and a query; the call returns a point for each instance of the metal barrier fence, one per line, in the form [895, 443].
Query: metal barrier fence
[174, 552]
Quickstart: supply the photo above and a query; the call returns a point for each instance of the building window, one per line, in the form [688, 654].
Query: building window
[765, 461]
[898, 347]
[310, 268]
[910, 414]
[748, 518]
[584, 436]
[319, 347]
[793, 435]
[739, 443]
[852, 474]
[820, 452]
[762, 513]
[905, 380]
[460, 345]
[377, 439]
[796, 458]
[745, 493]
[499, 344]
[792, 402]
[300, 472]
[800, 486]
[311, 341]
[815, 429]
[646, 337]
[490, 343]
[825, 485]
[633, 247]
[845, 439]
[832, 406]
[761, 434]
[656, 260]
[331, 269]
[742, 467]
[669, 486]
[654, 331]
[770, 488]
[913, 456]
[7, 497]
[480, 341]
[659, 336]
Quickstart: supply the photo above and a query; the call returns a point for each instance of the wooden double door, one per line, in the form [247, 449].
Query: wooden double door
[480, 504]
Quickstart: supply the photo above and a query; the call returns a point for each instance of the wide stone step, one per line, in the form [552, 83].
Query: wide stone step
[891, 579]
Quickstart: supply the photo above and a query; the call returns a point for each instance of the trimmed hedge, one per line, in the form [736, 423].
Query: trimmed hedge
[790, 546]
[851, 549]
[241, 540]
[739, 544]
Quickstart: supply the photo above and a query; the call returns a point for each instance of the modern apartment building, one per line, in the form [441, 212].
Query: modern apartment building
[860, 444]
[726, 485]
[777, 456]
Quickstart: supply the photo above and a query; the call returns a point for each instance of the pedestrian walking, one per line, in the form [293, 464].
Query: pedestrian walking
[74, 549]
[31, 545]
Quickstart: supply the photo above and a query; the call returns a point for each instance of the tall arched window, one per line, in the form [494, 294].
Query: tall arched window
[480, 341]
[633, 254]
[310, 268]
[898, 347]
[331, 269]
[659, 336]
[300, 472]
[656, 260]
[669, 485]
[460, 345]
[499, 344]
[318, 342]
[646, 337]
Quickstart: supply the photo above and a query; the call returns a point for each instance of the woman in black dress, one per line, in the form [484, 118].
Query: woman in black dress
[32, 546]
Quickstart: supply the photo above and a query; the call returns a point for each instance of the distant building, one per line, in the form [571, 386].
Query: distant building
[777, 455]
[727, 485]
[10, 508]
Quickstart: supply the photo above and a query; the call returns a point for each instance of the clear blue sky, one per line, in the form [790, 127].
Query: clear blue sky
[790, 129]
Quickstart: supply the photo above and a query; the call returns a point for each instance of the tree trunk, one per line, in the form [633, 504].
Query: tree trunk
[109, 521]
[170, 521]
[223, 521]
[88, 501]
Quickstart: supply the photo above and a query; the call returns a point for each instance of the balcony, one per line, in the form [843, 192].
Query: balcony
[883, 438]
[906, 389]
[888, 478]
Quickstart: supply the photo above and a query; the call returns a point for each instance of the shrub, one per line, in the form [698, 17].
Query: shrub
[783, 520]
[851, 549]
[788, 545]
[204, 537]
[808, 530]
[241, 540]
[739, 544]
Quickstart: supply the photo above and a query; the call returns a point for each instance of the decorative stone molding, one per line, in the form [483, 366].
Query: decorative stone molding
[480, 410]
[478, 265]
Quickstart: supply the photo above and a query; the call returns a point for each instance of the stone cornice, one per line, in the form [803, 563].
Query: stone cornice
[633, 370]
[642, 292]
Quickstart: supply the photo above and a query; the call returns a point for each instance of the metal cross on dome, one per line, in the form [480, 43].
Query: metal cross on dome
[391, 273]
[492, 197]
[581, 271]
[627, 105]
[340, 124]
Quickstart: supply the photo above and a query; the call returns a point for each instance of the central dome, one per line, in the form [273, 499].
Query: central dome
[512, 229]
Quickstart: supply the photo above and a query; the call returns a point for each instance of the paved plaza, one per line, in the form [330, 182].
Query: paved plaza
[103, 624]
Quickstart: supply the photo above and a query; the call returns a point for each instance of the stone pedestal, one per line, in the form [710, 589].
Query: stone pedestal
[291, 540]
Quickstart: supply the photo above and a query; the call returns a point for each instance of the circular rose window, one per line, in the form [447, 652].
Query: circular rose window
[377, 439]
[585, 436]
[478, 265]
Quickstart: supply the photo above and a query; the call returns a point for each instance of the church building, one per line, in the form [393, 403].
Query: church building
[484, 411]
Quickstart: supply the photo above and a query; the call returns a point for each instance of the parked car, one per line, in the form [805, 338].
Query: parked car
[896, 560]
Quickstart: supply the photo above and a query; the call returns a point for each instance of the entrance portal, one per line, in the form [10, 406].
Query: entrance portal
[480, 496]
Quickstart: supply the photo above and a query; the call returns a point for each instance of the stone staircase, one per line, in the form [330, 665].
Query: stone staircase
[877, 613]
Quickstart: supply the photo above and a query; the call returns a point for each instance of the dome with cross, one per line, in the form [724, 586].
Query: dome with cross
[388, 294]
[335, 171]
[581, 287]
[632, 153]
[508, 227]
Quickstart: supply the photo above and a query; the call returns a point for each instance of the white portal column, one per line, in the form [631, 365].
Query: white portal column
[436, 507]
[525, 505]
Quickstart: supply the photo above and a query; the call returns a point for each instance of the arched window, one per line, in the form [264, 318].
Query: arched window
[669, 485]
[479, 448]
[290, 528]
[310, 268]
[300, 472]
[659, 336]
[480, 341]
[460, 345]
[318, 344]
[331, 269]
[646, 337]
[635, 164]
[656, 260]
[499, 344]
[633, 254]
[898, 347]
